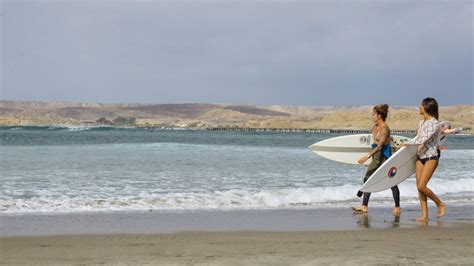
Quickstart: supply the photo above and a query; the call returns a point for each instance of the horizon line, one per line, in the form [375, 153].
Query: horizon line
[210, 103]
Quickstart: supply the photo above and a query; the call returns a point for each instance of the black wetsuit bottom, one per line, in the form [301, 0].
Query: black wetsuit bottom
[377, 161]
[395, 194]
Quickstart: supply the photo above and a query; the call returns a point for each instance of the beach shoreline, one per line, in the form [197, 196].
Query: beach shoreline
[218, 220]
[239, 237]
[425, 244]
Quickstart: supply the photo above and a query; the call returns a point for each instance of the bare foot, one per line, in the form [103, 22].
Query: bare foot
[441, 210]
[421, 219]
[396, 211]
[360, 208]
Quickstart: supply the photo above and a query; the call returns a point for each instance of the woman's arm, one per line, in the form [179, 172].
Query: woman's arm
[427, 131]
[385, 132]
[452, 131]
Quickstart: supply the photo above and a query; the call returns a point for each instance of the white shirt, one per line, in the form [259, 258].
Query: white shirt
[427, 137]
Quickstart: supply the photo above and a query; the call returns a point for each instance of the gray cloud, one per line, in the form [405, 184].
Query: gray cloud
[265, 52]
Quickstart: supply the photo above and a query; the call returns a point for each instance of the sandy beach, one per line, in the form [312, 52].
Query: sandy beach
[249, 237]
[451, 245]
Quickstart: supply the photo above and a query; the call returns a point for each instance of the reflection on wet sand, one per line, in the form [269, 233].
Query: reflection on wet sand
[437, 223]
[364, 221]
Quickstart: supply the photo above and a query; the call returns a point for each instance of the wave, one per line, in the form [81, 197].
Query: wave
[59, 128]
[84, 127]
[453, 192]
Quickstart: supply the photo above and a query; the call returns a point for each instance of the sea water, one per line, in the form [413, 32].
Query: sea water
[90, 169]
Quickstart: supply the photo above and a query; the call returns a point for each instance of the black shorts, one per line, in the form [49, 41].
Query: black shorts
[424, 160]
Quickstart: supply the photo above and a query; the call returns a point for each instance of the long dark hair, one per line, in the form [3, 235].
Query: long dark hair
[430, 105]
[382, 110]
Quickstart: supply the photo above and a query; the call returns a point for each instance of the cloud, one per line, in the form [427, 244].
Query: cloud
[264, 52]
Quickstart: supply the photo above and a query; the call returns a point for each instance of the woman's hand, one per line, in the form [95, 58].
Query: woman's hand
[450, 131]
[363, 160]
[401, 146]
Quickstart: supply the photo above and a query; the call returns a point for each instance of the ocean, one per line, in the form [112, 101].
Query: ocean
[106, 169]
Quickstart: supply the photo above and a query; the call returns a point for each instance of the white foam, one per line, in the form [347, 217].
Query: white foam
[454, 191]
[74, 178]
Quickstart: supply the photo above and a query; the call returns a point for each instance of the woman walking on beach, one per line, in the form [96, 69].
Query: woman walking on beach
[381, 151]
[428, 155]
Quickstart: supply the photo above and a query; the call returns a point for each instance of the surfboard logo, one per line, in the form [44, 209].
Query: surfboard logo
[365, 139]
[392, 172]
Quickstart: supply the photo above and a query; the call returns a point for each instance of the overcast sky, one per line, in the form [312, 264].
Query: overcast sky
[242, 52]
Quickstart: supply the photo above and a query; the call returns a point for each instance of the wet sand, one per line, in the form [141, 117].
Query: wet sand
[271, 237]
[431, 245]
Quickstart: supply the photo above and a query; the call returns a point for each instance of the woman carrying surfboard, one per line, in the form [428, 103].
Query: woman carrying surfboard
[381, 151]
[428, 155]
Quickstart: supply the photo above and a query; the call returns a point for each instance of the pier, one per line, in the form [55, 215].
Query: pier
[307, 130]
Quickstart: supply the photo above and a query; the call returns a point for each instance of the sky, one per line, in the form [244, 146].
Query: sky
[316, 53]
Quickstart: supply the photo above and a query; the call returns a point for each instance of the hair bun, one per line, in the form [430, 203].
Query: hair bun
[382, 110]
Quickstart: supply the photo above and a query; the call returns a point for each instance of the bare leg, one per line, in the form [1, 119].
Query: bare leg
[441, 209]
[427, 173]
[421, 196]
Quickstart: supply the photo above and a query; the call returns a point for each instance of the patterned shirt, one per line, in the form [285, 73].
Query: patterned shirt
[427, 137]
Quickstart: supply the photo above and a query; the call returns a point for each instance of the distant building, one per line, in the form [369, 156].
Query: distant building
[103, 121]
[87, 122]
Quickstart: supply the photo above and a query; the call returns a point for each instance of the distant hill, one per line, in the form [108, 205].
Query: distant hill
[198, 115]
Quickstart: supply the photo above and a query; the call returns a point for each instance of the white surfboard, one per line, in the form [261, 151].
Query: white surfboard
[350, 148]
[400, 166]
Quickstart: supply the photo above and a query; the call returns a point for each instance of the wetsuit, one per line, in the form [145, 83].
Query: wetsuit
[377, 160]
